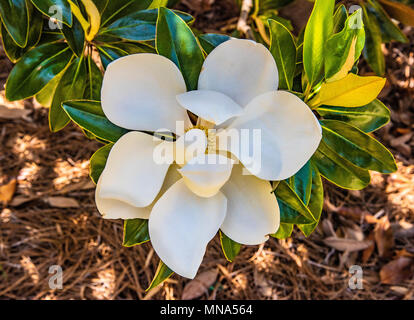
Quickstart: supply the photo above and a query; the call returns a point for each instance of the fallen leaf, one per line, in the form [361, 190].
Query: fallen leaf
[12, 113]
[62, 202]
[350, 245]
[370, 250]
[384, 238]
[7, 191]
[19, 200]
[397, 271]
[197, 287]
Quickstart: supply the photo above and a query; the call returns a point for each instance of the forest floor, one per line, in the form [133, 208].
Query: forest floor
[52, 218]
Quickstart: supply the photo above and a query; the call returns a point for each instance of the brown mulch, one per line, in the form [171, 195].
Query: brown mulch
[52, 219]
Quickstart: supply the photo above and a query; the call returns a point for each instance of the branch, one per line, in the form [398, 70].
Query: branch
[242, 24]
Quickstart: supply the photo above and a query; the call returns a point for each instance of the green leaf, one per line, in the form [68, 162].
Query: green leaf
[75, 37]
[285, 231]
[230, 248]
[340, 16]
[135, 232]
[176, 41]
[289, 199]
[101, 5]
[315, 204]
[158, 3]
[88, 115]
[35, 69]
[98, 162]
[15, 17]
[318, 30]
[357, 147]
[137, 26]
[339, 170]
[13, 51]
[368, 118]
[71, 86]
[345, 47]
[94, 81]
[389, 30]
[45, 96]
[116, 9]
[372, 50]
[51, 8]
[283, 49]
[162, 274]
[210, 41]
[111, 52]
[301, 183]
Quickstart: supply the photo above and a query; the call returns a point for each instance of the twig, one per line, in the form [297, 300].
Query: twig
[242, 24]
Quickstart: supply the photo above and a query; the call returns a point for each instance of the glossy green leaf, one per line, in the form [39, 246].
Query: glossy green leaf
[389, 30]
[315, 204]
[116, 9]
[210, 41]
[285, 231]
[58, 9]
[71, 86]
[283, 49]
[12, 50]
[88, 115]
[158, 3]
[372, 50]
[289, 199]
[137, 26]
[162, 274]
[94, 81]
[301, 182]
[345, 47]
[15, 17]
[318, 30]
[176, 41]
[230, 248]
[98, 162]
[111, 52]
[367, 118]
[101, 5]
[75, 37]
[135, 232]
[340, 16]
[45, 96]
[36, 69]
[339, 170]
[357, 146]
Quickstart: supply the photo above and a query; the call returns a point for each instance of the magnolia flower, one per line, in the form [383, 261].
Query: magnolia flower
[187, 203]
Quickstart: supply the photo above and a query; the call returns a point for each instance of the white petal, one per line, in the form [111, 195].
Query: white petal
[241, 69]
[139, 90]
[287, 134]
[211, 106]
[252, 210]
[131, 173]
[190, 145]
[207, 173]
[180, 226]
[115, 209]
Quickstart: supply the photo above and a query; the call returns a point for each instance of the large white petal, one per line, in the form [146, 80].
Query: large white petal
[180, 226]
[207, 173]
[282, 134]
[212, 106]
[252, 210]
[139, 90]
[115, 209]
[241, 69]
[131, 174]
